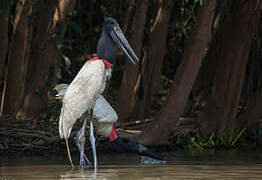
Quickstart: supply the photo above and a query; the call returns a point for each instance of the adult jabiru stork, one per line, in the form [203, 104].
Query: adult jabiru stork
[84, 95]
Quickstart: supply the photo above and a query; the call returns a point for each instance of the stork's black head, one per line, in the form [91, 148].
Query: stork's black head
[111, 37]
[109, 24]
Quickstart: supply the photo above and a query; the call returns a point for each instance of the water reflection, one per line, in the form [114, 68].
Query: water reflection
[217, 165]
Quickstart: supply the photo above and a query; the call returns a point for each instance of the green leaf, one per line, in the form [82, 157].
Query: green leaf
[163, 92]
[222, 139]
[211, 137]
[230, 139]
[72, 14]
[238, 136]
[20, 3]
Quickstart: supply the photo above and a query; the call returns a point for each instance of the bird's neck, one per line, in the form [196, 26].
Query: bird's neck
[106, 48]
[106, 63]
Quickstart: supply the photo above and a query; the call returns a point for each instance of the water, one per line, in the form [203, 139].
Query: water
[180, 165]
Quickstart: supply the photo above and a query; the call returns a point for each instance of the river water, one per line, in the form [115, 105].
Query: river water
[180, 165]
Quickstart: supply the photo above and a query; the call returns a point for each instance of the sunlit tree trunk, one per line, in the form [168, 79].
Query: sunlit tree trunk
[184, 78]
[131, 79]
[239, 27]
[18, 59]
[153, 60]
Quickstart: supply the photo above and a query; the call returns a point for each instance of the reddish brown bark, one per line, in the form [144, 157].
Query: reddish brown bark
[36, 98]
[18, 59]
[221, 110]
[205, 77]
[128, 92]
[153, 61]
[184, 78]
[41, 37]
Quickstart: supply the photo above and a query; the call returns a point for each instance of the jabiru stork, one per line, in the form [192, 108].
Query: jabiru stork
[84, 95]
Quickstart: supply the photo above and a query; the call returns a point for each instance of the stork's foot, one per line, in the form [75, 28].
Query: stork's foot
[84, 162]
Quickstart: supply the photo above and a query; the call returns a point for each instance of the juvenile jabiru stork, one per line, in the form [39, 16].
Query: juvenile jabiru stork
[84, 95]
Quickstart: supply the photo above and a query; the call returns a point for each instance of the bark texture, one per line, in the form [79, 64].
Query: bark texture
[4, 16]
[36, 98]
[17, 60]
[238, 33]
[184, 78]
[153, 60]
[127, 97]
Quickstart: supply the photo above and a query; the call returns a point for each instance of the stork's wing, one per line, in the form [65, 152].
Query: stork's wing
[61, 89]
[81, 95]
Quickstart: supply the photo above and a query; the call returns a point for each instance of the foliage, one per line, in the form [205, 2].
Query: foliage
[4, 4]
[225, 139]
[254, 135]
[190, 9]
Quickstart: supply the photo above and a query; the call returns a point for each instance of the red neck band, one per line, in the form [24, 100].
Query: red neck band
[107, 64]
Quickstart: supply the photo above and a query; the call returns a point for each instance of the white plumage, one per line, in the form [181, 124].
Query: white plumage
[82, 94]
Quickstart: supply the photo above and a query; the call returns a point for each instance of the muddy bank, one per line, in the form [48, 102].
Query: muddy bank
[27, 137]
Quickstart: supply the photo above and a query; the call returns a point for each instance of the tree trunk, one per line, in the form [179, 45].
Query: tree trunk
[17, 60]
[222, 107]
[36, 98]
[251, 104]
[128, 92]
[205, 77]
[184, 78]
[252, 113]
[128, 14]
[4, 16]
[153, 61]
[41, 37]
[208, 68]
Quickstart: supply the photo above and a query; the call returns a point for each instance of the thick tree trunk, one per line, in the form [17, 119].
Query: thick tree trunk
[252, 113]
[222, 107]
[42, 33]
[36, 98]
[153, 61]
[4, 16]
[184, 78]
[18, 59]
[42, 42]
[205, 77]
[128, 92]
[208, 68]
[128, 14]
[251, 96]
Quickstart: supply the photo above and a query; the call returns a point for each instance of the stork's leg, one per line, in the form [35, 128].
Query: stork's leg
[77, 141]
[106, 117]
[92, 139]
[82, 140]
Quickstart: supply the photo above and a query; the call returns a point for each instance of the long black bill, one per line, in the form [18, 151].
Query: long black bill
[123, 44]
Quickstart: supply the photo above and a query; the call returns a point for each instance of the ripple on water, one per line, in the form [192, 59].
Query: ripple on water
[245, 165]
